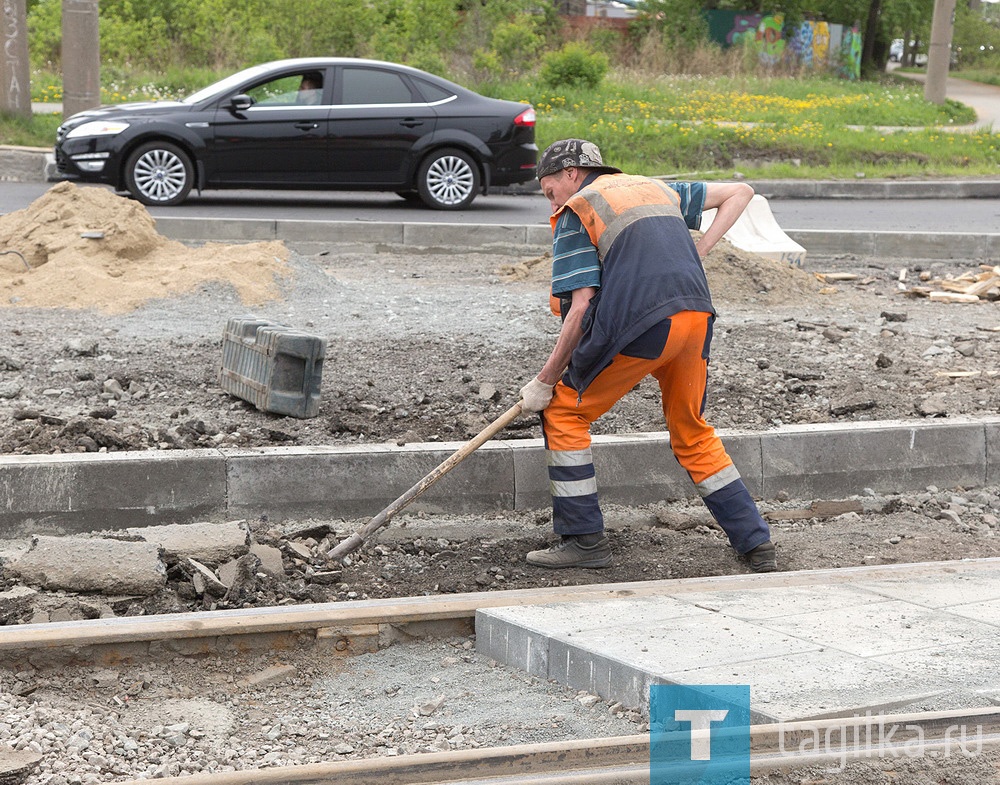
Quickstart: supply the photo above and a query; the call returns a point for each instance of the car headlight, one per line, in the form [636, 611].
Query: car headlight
[97, 128]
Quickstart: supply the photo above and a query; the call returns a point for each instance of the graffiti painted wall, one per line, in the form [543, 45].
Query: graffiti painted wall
[818, 45]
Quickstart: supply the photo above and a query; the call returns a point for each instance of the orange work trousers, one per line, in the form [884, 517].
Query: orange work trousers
[681, 369]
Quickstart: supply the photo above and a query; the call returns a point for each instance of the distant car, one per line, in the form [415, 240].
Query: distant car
[309, 123]
[897, 50]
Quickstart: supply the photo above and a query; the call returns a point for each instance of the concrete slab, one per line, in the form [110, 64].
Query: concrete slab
[987, 612]
[83, 492]
[878, 629]
[948, 590]
[339, 232]
[817, 684]
[969, 665]
[896, 245]
[809, 644]
[780, 602]
[450, 236]
[84, 564]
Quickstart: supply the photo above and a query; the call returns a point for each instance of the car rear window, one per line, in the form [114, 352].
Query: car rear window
[431, 92]
[372, 86]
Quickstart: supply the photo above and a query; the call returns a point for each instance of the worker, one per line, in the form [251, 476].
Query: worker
[635, 302]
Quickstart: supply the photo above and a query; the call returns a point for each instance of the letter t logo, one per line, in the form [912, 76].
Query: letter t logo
[701, 729]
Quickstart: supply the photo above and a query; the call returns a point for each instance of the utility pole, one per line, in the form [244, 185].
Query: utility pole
[81, 56]
[939, 51]
[15, 74]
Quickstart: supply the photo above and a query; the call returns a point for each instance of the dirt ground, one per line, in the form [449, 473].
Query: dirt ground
[114, 343]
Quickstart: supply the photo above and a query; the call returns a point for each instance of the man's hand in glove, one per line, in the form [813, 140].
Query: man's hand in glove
[536, 395]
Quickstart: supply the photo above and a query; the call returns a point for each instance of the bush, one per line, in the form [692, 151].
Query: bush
[513, 48]
[574, 66]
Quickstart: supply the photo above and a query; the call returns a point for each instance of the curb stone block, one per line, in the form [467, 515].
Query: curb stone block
[993, 453]
[339, 231]
[359, 481]
[72, 494]
[828, 461]
[215, 230]
[461, 235]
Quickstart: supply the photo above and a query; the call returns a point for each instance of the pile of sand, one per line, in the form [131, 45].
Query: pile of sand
[88, 248]
[734, 275]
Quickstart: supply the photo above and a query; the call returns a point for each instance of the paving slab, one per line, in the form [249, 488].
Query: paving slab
[809, 645]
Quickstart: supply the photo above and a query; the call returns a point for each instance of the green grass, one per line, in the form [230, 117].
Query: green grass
[39, 131]
[696, 126]
[802, 128]
[985, 77]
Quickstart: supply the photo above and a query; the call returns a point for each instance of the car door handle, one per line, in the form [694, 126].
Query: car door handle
[307, 126]
[410, 122]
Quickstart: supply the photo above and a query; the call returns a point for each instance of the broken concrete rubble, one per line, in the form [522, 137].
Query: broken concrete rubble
[209, 543]
[91, 564]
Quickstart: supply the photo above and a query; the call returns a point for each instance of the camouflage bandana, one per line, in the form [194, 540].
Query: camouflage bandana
[572, 153]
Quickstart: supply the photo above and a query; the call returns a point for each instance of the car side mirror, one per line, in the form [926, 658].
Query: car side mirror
[241, 102]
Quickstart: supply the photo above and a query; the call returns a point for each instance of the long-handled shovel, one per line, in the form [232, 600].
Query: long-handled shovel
[357, 539]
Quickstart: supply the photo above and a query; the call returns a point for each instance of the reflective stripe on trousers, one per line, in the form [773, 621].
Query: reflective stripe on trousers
[574, 492]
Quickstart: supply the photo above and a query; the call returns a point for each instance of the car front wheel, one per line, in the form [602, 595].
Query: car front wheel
[448, 180]
[159, 173]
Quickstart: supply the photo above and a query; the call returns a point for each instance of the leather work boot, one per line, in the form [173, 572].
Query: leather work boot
[569, 552]
[761, 558]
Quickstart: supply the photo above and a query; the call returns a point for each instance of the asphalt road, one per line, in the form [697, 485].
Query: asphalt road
[899, 215]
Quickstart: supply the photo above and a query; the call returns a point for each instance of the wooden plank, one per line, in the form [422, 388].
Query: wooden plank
[953, 297]
[838, 276]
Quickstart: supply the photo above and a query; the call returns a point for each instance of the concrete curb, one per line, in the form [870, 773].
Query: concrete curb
[898, 245]
[376, 236]
[26, 164]
[63, 494]
[878, 189]
[372, 234]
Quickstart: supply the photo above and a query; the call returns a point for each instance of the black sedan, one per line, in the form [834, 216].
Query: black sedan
[310, 123]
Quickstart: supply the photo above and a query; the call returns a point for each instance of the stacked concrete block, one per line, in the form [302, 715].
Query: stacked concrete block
[274, 367]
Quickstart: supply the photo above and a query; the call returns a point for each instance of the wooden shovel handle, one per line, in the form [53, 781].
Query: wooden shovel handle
[355, 541]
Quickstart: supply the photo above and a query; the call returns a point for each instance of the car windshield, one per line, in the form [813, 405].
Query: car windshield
[225, 85]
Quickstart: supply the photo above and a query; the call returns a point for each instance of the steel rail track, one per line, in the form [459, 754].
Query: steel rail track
[625, 759]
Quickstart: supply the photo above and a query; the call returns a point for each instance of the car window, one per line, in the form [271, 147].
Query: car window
[373, 86]
[433, 93]
[291, 90]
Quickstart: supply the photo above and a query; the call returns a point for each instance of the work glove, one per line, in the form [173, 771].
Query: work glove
[536, 395]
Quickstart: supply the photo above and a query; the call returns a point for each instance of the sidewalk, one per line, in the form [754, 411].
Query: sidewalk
[811, 645]
[984, 98]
